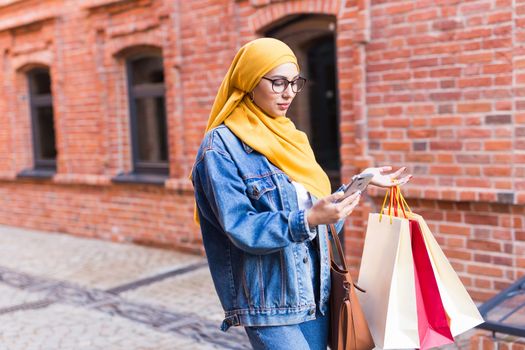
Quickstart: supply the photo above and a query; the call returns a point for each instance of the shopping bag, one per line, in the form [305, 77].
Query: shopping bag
[433, 325]
[461, 310]
[387, 275]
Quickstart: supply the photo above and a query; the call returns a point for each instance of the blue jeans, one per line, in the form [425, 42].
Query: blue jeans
[310, 335]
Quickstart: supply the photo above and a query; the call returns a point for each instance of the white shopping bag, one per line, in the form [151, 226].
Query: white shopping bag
[458, 304]
[387, 275]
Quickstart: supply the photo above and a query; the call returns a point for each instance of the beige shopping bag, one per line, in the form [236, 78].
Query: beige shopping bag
[458, 304]
[387, 275]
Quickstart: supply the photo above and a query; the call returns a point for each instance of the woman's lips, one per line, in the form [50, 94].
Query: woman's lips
[283, 106]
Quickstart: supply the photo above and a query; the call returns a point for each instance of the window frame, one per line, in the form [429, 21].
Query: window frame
[36, 101]
[141, 91]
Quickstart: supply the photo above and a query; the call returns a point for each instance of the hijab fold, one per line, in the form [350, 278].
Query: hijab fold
[274, 137]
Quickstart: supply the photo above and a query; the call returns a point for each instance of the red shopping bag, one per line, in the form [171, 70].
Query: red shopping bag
[433, 325]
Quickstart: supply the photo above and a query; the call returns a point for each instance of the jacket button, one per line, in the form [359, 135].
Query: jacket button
[305, 259]
[311, 311]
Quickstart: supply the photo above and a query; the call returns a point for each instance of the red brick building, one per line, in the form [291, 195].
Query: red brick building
[103, 104]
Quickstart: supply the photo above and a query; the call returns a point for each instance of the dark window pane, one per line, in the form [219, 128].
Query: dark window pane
[46, 133]
[42, 119]
[40, 82]
[151, 129]
[148, 115]
[147, 70]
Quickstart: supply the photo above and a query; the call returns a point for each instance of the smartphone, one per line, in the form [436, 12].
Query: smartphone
[358, 183]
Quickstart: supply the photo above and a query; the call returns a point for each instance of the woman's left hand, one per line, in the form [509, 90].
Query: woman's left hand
[382, 179]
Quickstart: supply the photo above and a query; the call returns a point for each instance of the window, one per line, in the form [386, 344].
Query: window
[148, 115]
[41, 104]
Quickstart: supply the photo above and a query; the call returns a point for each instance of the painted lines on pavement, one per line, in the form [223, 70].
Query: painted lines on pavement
[149, 280]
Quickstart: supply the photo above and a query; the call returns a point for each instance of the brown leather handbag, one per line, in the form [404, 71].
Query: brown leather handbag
[348, 327]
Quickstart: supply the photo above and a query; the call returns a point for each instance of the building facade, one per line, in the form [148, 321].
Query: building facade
[103, 104]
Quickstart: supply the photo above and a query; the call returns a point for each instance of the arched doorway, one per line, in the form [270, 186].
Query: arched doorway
[316, 109]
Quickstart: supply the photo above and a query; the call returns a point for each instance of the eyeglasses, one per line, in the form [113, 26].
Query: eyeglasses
[279, 85]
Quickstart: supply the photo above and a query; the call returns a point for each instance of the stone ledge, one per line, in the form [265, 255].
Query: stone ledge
[184, 186]
[82, 179]
[180, 185]
[139, 179]
[38, 174]
[457, 194]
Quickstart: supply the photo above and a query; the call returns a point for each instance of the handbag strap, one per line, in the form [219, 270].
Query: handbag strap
[347, 316]
[332, 231]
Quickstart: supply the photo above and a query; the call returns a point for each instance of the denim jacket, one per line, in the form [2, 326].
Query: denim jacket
[255, 236]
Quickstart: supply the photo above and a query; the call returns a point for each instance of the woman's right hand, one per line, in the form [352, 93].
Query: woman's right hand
[327, 210]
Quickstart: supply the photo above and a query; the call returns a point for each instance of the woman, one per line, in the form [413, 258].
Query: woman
[263, 203]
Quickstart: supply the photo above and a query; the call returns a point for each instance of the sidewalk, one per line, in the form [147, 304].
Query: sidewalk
[68, 293]
[59, 292]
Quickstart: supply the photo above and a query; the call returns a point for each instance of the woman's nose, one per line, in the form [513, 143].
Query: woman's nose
[288, 92]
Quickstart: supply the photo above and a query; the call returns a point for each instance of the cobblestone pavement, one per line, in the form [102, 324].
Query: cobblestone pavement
[59, 292]
[69, 293]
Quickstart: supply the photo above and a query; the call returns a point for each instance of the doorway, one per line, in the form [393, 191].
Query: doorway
[316, 109]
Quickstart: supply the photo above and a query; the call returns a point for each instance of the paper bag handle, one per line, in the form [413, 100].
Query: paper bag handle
[397, 201]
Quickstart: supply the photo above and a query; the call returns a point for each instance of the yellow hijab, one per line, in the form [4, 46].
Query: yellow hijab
[276, 138]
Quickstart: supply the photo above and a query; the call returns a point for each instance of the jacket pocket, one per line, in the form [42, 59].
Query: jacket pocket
[263, 193]
[256, 188]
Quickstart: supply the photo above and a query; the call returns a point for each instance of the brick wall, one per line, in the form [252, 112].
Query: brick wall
[443, 97]
[437, 86]
[485, 341]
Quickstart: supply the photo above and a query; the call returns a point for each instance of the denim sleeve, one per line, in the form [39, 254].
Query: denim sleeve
[252, 231]
[313, 231]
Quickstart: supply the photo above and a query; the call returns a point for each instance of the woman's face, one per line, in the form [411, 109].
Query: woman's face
[276, 104]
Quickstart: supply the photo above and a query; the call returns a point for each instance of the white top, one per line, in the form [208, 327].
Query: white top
[303, 197]
[303, 200]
